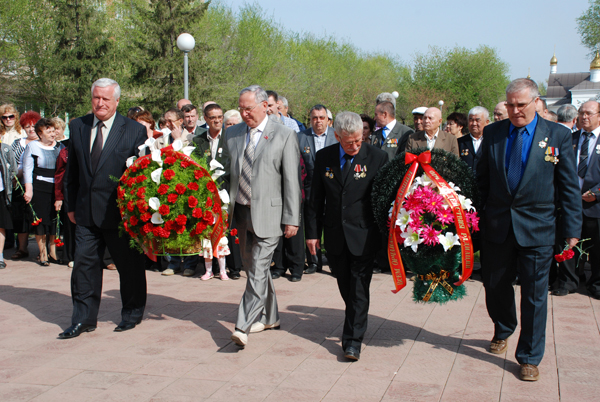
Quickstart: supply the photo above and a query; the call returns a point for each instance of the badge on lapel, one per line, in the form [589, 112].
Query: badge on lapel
[551, 155]
[306, 150]
[598, 149]
[543, 143]
[392, 143]
[328, 173]
[464, 152]
[360, 172]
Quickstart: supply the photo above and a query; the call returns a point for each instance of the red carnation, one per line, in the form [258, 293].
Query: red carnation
[130, 206]
[192, 201]
[141, 193]
[130, 182]
[559, 258]
[165, 233]
[169, 174]
[145, 217]
[197, 213]
[185, 163]
[126, 225]
[237, 241]
[120, 192]
[140, 178]
[133, 220]
[147, 228]
[568, 254]
[144, 162]
[132, 192]
[209, 202]
[142, 206]
[198, 174]
[208, 217]
[211, 186]
[169, 225]
[133, 169]
[169, 160]
[181, 220]
[193, 186]
[233, 232]
[180, 188]
[217, 208]
[200, 227]
[164, 210]
[162, 189]
[156, 231]
[172, 198]
[179, 229]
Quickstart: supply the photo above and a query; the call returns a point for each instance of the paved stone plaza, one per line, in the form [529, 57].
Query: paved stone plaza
[182, 351]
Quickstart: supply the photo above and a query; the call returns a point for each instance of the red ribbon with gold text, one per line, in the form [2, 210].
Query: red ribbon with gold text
[460, 219]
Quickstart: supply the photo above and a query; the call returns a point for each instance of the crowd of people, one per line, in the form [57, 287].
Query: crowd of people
[290, 188]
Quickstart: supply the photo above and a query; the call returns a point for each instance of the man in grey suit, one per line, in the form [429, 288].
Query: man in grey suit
[265, 201]
[392, 135]
[432, 137]
[319, 136]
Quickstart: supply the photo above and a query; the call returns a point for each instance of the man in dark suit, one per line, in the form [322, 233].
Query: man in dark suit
[432, 137]
[392, 135]
[311, 141]
[585, 143]
[341, 190]
[469, 146]
[100, 145]
[190, 121]
[526, 171]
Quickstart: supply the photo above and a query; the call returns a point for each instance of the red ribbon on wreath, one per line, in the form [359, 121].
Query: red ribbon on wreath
[460, 219]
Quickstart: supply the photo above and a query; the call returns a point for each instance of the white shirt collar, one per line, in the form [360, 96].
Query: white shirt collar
[107, 123]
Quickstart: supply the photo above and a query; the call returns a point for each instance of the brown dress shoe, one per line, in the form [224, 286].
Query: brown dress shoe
[529, 372]
[498, 346]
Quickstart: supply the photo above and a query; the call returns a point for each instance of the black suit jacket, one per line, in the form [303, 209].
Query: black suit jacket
[545, 186]
[308, 152]
[203, 150]
[346, 204]
[467, 152]
[591, 181]
[93, 196]
[395, 142]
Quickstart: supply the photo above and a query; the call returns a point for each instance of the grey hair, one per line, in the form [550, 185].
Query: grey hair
[107, 82]
[523, 83]
[283, 100]
[347, 122]
[479, 110]
[566, 113]
[386, 97]
[231, 113]
[260, 95]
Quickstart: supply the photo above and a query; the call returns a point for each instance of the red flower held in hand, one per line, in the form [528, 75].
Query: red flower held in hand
[172, 198]
[180, 188]
[169, 174]
[198, 174]
[164, 210]
[145, 217]
[233, 232]
[192, 201]
[181, 220]
[211, 186]
[237, 241]
[169, 160]
[565, 255]
[197, 213]
[193, 186]
[162, 189]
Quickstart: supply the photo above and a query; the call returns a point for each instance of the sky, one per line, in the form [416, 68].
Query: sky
[524, 33]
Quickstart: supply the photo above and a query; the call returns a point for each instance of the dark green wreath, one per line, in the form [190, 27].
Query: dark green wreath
[427, 259]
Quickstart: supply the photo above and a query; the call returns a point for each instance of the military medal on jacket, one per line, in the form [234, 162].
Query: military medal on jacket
[360, 172]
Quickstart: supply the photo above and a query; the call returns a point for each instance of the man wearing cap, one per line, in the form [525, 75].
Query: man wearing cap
[392, 135]
[418, 117]
[431, 136]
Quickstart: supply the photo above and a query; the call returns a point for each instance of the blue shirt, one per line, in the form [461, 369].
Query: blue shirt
[527, 141]
[342, 159]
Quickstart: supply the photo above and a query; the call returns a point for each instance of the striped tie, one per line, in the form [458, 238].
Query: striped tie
[583, 156]
[246, 176]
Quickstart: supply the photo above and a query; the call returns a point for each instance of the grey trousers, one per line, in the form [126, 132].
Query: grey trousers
[259, 302]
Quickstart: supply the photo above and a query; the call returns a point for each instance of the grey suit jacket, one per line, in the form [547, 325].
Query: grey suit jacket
[445, 141]
[276, 188]
[308, 152]
[395, 142]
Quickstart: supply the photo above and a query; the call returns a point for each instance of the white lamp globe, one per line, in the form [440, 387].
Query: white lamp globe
[395, 94]
[441, 103]
[185, 42]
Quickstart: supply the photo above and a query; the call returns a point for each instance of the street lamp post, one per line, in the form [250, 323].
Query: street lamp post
[185, 43]
[441, 103]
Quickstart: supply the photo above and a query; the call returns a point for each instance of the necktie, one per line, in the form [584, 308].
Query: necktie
[383, 135]
[97, 147]
[347, 166]
[515, 162]
[246, 176]
[583, 155]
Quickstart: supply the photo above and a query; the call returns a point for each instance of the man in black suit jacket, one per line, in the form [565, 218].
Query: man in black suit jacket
[100, 145]
[587, 149]
[392, 136]
[526, 171]
[469, 146]
[341, 187]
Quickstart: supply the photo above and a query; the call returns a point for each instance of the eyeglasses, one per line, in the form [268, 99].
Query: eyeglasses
[213, 118]
[247, 109]
[587, 114]
[519, 106]
[322, 118]
[9, 117]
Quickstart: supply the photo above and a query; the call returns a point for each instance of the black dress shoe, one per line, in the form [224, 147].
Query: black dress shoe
[127, 325]
[595, 295]
[352, 353]
[295, 278]
[76, 330]
[275, 275]
[376, 270]
[561, 292]
[311, 269]
[234, 275]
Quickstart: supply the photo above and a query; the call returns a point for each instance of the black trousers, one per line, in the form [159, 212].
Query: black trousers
[86, 278]
[290, 253]
[500, 265]
[353, 274]
[318, 258]
[234, 259]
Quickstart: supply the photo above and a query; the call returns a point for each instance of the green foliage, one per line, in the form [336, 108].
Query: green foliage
[588, 26]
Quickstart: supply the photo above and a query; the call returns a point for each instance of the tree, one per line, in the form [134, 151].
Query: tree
[588, 26]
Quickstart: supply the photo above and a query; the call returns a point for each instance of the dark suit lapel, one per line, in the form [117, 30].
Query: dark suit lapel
[311, 143]
[330, 140]
[500, 151]
[537, 153]
[86, 140]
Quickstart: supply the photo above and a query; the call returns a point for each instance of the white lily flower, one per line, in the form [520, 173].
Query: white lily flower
[177, 145]
[215, 165]
[454, 186]
[130, 161]
[449, 240]
[411, 239]
[465, 203]
[156, 175]
[403, 219]
[217, 173]
[224, 196]
[154, 203]
[157, 219]
[188, 150]
[157, 156]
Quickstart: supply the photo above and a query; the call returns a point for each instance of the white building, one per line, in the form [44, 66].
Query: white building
[572, 88]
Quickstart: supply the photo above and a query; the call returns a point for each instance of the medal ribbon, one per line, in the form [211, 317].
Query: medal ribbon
[460, 219]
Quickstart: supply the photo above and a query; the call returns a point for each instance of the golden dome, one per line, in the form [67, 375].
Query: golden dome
[553, 60]
[596, 62]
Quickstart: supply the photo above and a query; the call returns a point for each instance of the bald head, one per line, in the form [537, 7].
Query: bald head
[500, 112]
[432, 119]
[182, 103]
